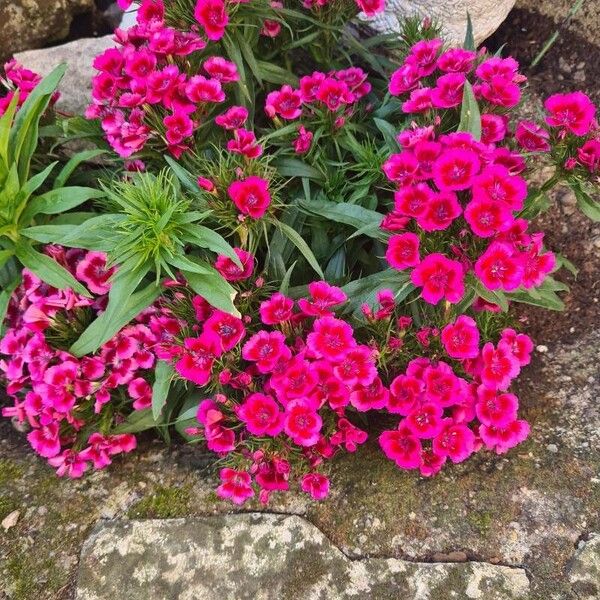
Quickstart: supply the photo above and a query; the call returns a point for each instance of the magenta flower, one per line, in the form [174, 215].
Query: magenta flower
[441, 211]
[261, 415]
[245, 143]
[456, 169]
[413, 200]
[316, 485]
[212, 15]
[461, 338]
[93, 272]
[199, 89]
[277, 309]
[456, 441]
[488, 217]
[502, 439]
[440, 278]
[532, 137]
[251, 196]
[221, 69]
[230, 271]
[499, 366]
[197, 359]
[69, 463]
[573, 112]
[401, 446]
[45, 440]
[323, 298]
[302, 423]
[265, 349]
[232, 118]
[331, 338]
[496, 410]
[403, 251]
[286, 103]
[235, 486]
[500, 267]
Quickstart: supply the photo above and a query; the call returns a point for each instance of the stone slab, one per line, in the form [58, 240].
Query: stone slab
[260, 556]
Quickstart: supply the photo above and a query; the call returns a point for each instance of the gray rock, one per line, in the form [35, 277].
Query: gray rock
[584, 574]
[263, 557]
[34, 23]
[486, 15]
[76, 85]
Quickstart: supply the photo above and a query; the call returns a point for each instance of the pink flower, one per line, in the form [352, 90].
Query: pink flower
[461, 338]
[93, 272]
[493, 128]
[235, 486]
[442, 209]
[303, 142]
[230, 271]
[413, 200]
[348, 435]
[373, 396]
[356, 367]
[323, 298]
[302, 423]
[309, 86]
[212, 15]
[179, 126]
[404, 79]
[221, 69]
[431, 463]
[406, 392]
[574, 112]
[69, 463]
[233, 118]
[224, 329]
[45, 440]
[589, 155]
[197, 359]
[456, 60]
[448, 91]
[503, 439]
[141, 392]
[488, 217]
[403, 251]
[261, 415]
[456, 441]
[424, 54]
[497, 184]
[205, 184]
[140, 64]
[499, 267]
[499, 366]
[334, 93]
[265, 349]
[419, 101]
[532, 137]
[520, 345]
[442, 386]
[425, 421]
[456, 169]
[495, 66]
[277, 309]
[536, 266]
[316, 485]
[200, 89]
[500, 92]
[251, 196]
[401, 446]
[440, 278]
[245, 143]
[286, 102]
[331, 338]
[401, 168]
[496, 410]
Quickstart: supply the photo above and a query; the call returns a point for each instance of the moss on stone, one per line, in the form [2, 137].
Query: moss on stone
[163, 503]
[7, 505]
[9, 470]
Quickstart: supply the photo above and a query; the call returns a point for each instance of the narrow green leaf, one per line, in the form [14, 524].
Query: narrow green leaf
[73, 163]
[299, 242]
[207, 238]
[214, 289]
[163, 374]
[5, 295]
[470, 117]
[184, 176]
[285, 282]
[389, 133]
[293, 167]
[60, 200]
[47, 269]
[494, 296]
[589, 206]
[137, 421]
[469, 43]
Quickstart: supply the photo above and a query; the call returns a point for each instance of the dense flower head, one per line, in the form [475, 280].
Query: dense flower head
[64, 399]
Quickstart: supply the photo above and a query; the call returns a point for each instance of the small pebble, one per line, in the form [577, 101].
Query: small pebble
[542, 349]
[10, 520]
[552, 448]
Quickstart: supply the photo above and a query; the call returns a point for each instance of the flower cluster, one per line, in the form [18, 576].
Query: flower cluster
[320, 98]
[18, 80]
[71, 405]
[143, 91]
[473, 191]
[282, 389]
[449, 416]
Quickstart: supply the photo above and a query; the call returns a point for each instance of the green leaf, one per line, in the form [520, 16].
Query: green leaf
[589, 206]
[184, 263]
[73, 163]
[123, 305]
[5, 127]
[469, 43]
[293, 167]
[185, 177]
[541, 298]
[214, 289]
[389, 133]
[5, 295]
[299, 242]
[350, 214]
[163, 374]
[207, 238]
[60, 200]
[32, 184]
[285, 282]
[47, 269]
[494, 296]
[470, 117]
[139, 420]
[5, 255]
[275, 74]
